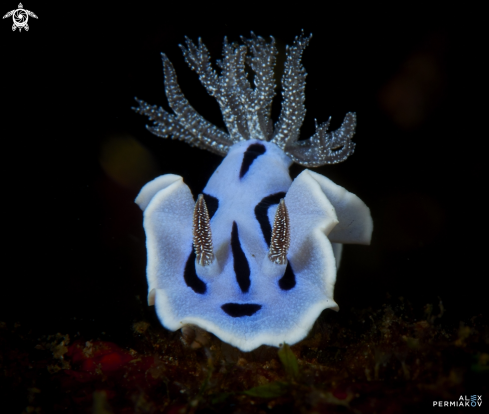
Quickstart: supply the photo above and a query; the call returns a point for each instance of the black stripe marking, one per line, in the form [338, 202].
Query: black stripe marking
[190, 276]
[212, 204]
[241, 266]
[252, 153]
[237, 310]
[261, 214]
[287, 281]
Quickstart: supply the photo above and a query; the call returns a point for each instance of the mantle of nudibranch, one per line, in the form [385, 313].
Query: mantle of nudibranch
[322, 215]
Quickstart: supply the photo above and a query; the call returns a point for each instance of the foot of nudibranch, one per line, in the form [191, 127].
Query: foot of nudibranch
[337, 250]
[195, 337]
[151, 297]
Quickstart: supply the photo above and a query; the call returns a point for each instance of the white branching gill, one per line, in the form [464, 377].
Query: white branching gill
[280, 241]
[246, 109]
[202, 236]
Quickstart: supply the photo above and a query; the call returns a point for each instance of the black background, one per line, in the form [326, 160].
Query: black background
[73, 244]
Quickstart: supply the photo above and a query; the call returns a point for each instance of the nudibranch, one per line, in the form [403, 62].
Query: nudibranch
[254, 259]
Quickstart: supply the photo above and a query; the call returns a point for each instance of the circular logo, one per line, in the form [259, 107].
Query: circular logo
[20, 17]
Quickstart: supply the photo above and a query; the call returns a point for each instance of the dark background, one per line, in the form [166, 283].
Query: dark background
[75, 155]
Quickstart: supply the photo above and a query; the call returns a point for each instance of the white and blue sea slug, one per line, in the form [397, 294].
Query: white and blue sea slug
[254, 259]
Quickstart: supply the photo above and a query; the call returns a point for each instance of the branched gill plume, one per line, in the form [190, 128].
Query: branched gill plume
[245, 108]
